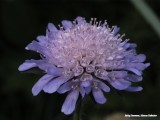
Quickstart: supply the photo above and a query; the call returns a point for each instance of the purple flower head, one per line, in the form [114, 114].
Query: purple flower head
[82, 58]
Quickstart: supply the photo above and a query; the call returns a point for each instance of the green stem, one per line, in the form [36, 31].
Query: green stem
[148, 14]
[75, 116]
[78, 111]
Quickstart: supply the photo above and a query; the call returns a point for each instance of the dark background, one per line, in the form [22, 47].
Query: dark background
[21, 21]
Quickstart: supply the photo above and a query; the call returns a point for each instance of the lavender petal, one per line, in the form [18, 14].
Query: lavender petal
[53, 85]
[134, 89]
[26, 66]
[133, 78]
[87, 89]
[85, 83]
[104, 87]
[118, 74]
[70, 102]
[52, 27]
[42, 64]
[55, 71]
[98, 96]
[115, 30]
[120, 84]
[41, 83]
[80, 20]
[67, 24]
[35, 46]
[82, 91]
[65, 87]
[134, 70]
[139, 58]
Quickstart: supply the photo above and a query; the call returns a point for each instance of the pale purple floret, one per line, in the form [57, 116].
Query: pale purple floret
[81, 58]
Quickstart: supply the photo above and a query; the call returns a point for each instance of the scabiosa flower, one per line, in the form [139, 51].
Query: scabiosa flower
[82, 58]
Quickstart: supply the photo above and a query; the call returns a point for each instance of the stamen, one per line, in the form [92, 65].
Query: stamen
[86, 77]
[91, 21]
[75, 86]
[99, 24]
[94, 21]
[84, 62]
[95, 85]
[105, 23]
[78, 70]
[68, 73]
[100, 73]
[90, 68]
[74, 22]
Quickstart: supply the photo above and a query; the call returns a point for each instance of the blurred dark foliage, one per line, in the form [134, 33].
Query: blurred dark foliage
[22, 20]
